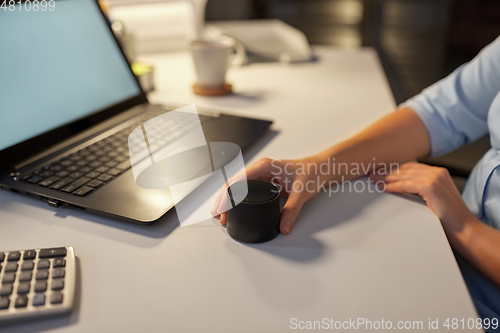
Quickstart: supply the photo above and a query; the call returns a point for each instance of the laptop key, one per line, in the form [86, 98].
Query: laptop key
[46, 173]
[56, 167]
[104, 177]
[93, 174]
[85, 169]
[63, 182]
[72, 168]
[25, 177]
[124, 165]
[102, 169]
[48, 181]
[94, 183]
[76, 184]
[95, 164]
[35, 179]
[114, 172]
[83, 190]
[62, 173]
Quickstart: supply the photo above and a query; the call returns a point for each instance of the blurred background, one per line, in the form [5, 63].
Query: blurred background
[418, 41]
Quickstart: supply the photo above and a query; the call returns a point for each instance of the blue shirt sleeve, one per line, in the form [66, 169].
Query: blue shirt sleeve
[455, 109]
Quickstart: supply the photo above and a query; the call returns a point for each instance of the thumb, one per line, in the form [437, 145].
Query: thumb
[291, 210]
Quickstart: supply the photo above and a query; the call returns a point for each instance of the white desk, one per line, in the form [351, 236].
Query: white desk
[374, 256]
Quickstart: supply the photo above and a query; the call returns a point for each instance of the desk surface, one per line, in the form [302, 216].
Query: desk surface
[350, 255]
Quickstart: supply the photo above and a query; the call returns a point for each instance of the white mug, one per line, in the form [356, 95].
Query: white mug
[212, 58]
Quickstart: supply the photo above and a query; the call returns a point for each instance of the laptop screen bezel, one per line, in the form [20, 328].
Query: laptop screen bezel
[19, 152]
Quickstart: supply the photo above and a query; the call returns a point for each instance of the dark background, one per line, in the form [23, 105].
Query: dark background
[418, 41]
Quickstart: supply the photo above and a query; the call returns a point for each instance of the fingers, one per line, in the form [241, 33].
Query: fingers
[291, 210]
[262, 169]
[404, 186]
[223, 218]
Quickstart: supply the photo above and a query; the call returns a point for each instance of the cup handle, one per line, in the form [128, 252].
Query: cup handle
[239, 58]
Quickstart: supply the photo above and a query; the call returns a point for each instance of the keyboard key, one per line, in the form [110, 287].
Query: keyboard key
[72, 168]
[23, 288]
[27, 265]
[76, 184]
[92, 174]
[29, 254]
[40, 286]
[43, 264]
[52, 253]
[95, 164]
[9, 277]
[56, 298]
[48, 181]
[58, 273]
[6, 289]
[94, 183]
[62, 173]
[4, 303]
[2, 256]
[14, 256]
[45, 173]
[114, 172]
[63, 182]
[83, 190]
[57, 284]
[104, 177]
[111, 164]
[25, 276]
[42, 275]
[85, 169]
[39, 299]
[56, 168]
[120, 158]
[76, 175]
[59, 262]
[124, 165]
[21, 302]
[66, 163]
[81, 163]
[34, 179]
[25, 177]
[102, 169]
[11, 267]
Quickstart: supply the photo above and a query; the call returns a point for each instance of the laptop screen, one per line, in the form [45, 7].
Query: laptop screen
[56, 67]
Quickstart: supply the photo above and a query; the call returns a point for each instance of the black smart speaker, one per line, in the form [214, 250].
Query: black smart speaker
[256, 218]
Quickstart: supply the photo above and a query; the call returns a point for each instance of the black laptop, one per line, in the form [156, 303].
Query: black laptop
[68, 102]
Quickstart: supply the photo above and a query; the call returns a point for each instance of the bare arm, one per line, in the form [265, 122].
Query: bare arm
[396, 138]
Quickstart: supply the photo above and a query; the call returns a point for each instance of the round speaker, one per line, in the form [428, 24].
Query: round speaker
[254, 218]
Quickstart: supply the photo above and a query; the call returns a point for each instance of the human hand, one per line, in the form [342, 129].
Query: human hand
[434, 185]
[297, 186]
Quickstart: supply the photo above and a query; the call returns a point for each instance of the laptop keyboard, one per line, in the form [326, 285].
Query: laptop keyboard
[88, 169]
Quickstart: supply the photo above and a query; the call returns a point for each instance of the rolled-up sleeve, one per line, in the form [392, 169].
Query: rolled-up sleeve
[455, 109]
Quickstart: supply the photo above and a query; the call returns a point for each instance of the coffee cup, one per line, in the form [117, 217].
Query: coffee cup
[211, 59]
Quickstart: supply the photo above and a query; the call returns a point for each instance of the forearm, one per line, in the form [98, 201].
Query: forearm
[397, 138]
[479, 244]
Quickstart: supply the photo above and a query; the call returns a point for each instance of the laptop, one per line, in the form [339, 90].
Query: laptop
[68, 102]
